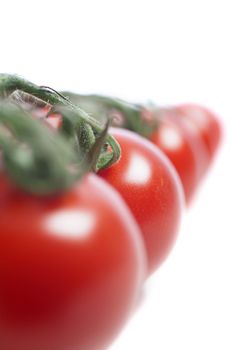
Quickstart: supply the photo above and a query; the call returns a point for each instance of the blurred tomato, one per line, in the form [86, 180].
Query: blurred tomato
[54, 120]
[150, 186]
[205, 121]
[71, 267]
[182, 146]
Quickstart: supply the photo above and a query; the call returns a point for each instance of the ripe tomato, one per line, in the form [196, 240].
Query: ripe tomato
[205, 121]
[150, 186]
[70, 269]
[181, 145]
[54, 120]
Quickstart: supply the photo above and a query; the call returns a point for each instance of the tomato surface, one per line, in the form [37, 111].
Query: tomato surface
[71, 267]
[150, 186]
[205, 121]
[182, 146]
[54, 120]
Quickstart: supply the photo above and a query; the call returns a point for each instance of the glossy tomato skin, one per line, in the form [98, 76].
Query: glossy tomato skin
[150, 186]
[206, 122]
[71, 267]
[181, 145]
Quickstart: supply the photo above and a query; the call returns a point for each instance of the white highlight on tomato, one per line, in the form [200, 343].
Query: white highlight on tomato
[139, 170]
[71, 223]
[170, 138]
[191, 126]
[198, 115]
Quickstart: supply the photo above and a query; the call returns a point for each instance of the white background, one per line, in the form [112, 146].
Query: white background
[167, 52]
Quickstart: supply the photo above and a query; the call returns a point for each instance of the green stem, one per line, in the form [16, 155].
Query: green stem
[121, 113]
[75, 128]
[10, 83]
[27, 101]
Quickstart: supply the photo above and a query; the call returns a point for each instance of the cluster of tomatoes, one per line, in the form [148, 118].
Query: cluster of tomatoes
[72, 264]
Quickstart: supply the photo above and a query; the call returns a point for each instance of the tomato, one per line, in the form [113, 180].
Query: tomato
[205, 121]
[150, 186]
[181, 145]
[71, 267]
[54, 120]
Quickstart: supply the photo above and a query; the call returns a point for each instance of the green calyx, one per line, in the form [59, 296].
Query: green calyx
[77, 123]
[122, 114]
[38, 159]
[84, 137]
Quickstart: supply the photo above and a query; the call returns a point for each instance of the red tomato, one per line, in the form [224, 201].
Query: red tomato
[71, 267]
[181, 145]
[206, 123]
[150, 186]
[54, 120]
